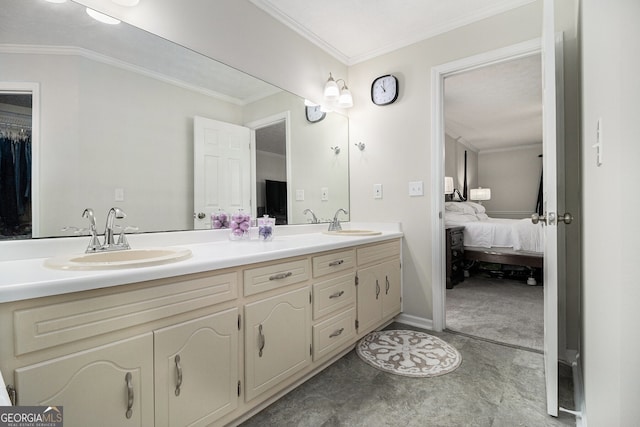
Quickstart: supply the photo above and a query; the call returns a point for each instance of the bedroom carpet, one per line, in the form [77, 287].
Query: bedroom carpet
[501, 310]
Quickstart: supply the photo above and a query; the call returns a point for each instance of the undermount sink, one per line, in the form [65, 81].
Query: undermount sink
[353, 232]
[129, 258]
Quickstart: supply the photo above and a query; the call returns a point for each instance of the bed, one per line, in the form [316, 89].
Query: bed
[496, 240]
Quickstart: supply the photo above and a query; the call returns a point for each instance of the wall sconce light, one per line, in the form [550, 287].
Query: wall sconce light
[101, 17]
[360, 146]
[336, 149]
[480, 194]
[333, 92]
[448, 185]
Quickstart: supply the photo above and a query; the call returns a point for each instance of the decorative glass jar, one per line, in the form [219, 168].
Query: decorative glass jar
[240, 224]
[265, 228]
[219, 220]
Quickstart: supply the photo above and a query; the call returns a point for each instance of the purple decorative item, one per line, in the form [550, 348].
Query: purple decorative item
[240, 224]
[265, 228]
[219, 220]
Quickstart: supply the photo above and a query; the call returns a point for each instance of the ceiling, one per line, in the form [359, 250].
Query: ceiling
[494, 107]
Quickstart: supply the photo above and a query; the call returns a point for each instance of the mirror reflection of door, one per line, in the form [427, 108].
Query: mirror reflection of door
[271, 171]
[15, 165]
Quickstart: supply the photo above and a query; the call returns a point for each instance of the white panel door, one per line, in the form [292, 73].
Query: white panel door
[221, 169]
[553, 192]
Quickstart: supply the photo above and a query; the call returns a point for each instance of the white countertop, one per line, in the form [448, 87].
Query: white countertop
[24, 276]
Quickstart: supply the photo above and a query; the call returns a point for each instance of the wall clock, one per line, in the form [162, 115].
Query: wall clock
[384, 90]
[314, 114]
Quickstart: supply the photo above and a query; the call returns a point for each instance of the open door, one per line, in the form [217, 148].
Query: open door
[221, 169]
[553, 197]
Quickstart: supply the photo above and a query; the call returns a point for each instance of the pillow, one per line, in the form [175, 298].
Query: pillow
[482, 216]
[458, 218]
[460, 207]
[477, 207]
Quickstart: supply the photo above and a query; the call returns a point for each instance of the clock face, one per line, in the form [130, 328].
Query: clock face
[384, 90]
[314, 114]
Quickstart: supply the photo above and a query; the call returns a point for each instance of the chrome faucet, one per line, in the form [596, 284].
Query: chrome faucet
[109, 243]
[335, 224]
[94, 243]
[314, 218]
[114, 213]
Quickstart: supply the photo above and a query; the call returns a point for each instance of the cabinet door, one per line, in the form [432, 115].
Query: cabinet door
[277, 340]
[391, 292]
[109, 386]
[196, 370]
[369, 296]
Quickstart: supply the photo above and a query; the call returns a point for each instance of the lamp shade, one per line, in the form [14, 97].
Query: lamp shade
[448, 185]
[345, 100]
[480, 194]
[331, 89]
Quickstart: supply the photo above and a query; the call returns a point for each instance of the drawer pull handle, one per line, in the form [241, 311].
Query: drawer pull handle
[336, 295]
[127, 379]
[335, 263]
[337, 333]
[179, 372]
[261, 341]
[387, 286]
[281, 276]
[377, 289]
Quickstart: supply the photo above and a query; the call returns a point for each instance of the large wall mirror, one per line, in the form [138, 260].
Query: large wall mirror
[113, 125]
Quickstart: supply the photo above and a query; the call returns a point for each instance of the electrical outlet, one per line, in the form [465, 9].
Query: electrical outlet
[377, 191]
[299, 195]
[118, 195]
[415, 189]
[324, 193]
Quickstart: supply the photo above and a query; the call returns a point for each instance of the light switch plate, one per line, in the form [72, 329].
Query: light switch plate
[299, 195]
[415, 189]
[324, 193]
[377, 191]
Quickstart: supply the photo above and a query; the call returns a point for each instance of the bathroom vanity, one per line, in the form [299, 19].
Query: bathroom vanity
[205, 341]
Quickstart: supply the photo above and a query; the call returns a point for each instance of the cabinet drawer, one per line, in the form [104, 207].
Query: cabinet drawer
[330, 263]
[456, 239]
[334, 294]
[274, 276]
[42, 327]
[333, 333]
[378, 252]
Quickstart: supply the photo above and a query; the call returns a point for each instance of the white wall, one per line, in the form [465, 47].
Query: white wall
[513, 176]
[398, 136]
[611, 90]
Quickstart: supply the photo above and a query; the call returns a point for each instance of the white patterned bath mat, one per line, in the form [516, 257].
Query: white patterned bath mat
[408, 353]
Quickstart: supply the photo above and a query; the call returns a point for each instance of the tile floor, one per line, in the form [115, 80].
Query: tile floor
[494, 386]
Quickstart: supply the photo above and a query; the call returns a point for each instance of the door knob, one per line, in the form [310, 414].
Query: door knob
[201, 215]
[535, 218]
[566, 218]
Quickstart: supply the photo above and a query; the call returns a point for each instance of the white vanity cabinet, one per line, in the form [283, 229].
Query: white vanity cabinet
[196, 370]
[277, 340]
[201, 349]
[378, 285]
[110, 385]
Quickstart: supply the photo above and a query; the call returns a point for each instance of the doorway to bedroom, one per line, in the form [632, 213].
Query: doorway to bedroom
[492, 174]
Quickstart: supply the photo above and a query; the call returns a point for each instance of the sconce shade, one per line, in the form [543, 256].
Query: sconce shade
[345, 100]
[480, 194]
[448, 185]
[101, 17]
[331, 89]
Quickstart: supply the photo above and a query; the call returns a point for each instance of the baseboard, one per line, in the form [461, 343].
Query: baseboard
[418, 322]
[578, 388]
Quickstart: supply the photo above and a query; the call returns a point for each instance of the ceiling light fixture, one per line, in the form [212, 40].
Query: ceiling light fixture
[56, 1]
[128, 3]
[333, 92]
[101, 17]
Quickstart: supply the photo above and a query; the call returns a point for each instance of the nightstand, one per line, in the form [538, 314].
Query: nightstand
[455, 255]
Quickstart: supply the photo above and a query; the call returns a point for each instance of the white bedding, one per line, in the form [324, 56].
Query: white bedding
[482, 231]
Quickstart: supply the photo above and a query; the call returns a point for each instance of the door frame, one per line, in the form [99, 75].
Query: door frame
[260, 123]
[438, 74]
